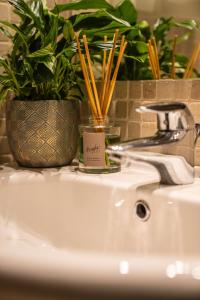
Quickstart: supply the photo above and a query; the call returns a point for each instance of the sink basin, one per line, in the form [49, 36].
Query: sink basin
[68, 210]
[67, 235]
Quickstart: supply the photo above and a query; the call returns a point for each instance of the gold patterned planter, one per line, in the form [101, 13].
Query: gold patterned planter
[43, 133]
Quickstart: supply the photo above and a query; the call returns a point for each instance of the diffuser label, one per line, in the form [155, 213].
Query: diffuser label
[94, 149]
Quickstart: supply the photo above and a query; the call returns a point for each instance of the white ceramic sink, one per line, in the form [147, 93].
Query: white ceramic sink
[81, 236]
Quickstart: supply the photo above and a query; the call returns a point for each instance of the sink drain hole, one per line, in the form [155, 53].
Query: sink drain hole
[142, 210]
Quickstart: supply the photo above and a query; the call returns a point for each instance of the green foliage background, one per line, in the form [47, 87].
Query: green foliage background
[42, 63]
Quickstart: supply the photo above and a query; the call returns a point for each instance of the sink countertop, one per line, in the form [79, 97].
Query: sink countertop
[133, 177]
[138, 174]
[119, 272]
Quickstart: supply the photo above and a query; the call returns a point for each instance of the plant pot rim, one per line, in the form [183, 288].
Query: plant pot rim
[37, 100]
[161, 80]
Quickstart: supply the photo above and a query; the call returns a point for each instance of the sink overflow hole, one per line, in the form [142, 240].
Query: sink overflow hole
[142, 210]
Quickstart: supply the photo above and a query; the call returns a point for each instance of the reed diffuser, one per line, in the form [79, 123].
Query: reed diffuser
[99, 132]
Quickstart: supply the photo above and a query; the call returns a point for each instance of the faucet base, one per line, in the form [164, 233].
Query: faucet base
[173, 169]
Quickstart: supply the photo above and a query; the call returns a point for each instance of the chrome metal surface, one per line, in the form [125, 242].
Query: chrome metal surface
[170, 116]
[197, 126]
[42, 133]
[175, 139]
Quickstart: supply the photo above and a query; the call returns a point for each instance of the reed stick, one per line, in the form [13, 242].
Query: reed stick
[100, 110]
[86, 77]
[96, 97]
[173, 71]
[105, 83]
[113, 81]
[89, 88]
[152, 60]
[104, 59]
[192, 61]
[153, 42]
[103, 71]
[112, 53]
[109, 69]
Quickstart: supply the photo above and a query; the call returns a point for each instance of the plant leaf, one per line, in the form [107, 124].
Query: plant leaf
[2, 62]
[140, 46]
[16, 29]
[82, 4]
[100, 14]
[139, 58]
[68, 31]
[31, 8]
[132, 33]
[46, 51]
[51, 37]
[50, 63]
[183, 37]
[42, 74]
[3, 95]
[108, 30]
[127, 11]
[5, 80]
[187, 24]
[6, 32]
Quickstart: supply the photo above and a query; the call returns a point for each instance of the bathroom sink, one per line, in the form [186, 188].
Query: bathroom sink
[115, 236]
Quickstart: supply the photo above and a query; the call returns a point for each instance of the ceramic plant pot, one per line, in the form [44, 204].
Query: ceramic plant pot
[42, 133]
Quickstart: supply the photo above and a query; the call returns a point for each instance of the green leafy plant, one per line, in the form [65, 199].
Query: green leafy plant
[41, 62]
[105, 19]
[39, 65]
[136, 63]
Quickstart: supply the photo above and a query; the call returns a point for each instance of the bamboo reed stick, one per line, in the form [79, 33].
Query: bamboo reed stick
[98, 110]
[89, 89]
[153, 42]
[105, 83]
[104, 59]
[109, 68]
[173, 71]
[112, 53]
[96, 97]
[192, 61]
[113, 82]
[86, 77]
[103, 71]
[152, 60]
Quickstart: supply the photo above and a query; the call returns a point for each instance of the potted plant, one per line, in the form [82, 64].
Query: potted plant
[136, 83]
[40, 75]
[97, 24]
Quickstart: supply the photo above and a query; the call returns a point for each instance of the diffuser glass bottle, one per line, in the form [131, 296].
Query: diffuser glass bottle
[95, 136]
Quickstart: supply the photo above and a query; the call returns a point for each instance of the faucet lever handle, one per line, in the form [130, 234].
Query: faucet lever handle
[162, 107]
[170, 115]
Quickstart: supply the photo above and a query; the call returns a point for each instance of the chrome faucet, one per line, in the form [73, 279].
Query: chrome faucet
[171, 149]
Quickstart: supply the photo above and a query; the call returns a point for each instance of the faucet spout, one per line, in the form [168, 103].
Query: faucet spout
[159, 139]
[170, 150]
